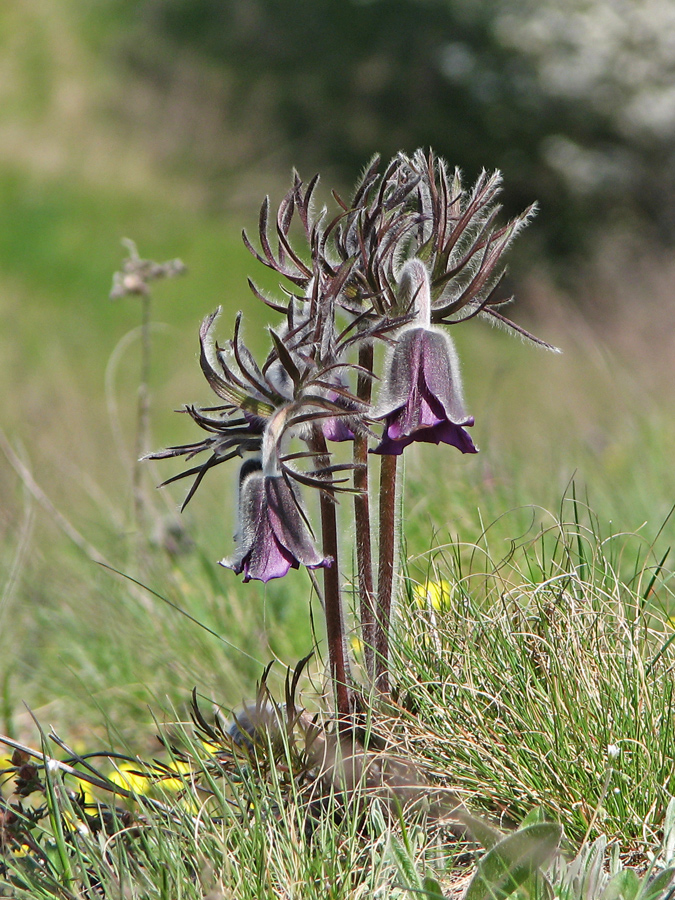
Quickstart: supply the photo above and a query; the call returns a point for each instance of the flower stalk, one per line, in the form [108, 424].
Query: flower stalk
[133, 279]
[364, 549]
[385, 578]
[335, 630]
[142, 415]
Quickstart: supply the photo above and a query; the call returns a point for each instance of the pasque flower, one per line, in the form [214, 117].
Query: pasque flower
[337, 428]
[421, 398]
[273, 536]
[410, 254]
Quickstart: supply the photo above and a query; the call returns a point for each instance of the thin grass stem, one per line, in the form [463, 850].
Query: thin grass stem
[142, 416]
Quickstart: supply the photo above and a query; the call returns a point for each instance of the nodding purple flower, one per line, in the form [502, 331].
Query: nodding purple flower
[422, 394]
[273, 536]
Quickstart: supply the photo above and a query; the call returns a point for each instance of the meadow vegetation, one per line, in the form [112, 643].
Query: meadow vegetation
[534, 652]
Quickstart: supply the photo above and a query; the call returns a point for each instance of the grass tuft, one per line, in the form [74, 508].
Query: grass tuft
[544, 678]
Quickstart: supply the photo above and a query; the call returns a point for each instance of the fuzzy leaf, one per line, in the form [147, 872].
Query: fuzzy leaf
[669, 830]
[513, 861]
[480, 830]
[624, 885]
[286, 359]
[405, 864]
[587, 869]
[534, 817]
[658, 887]
[432, 888]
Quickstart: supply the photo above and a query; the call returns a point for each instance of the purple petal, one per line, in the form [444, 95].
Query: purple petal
[402, 362]
[449, 433]
[421, 411]
[336, 429]
[424, 377]
[267, 560]
[389, 447]
[444, 432]
[288, 524]
[440, 372]
[423, 368]
[260, 554]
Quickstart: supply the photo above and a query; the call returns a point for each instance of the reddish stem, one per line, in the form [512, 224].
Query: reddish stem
[364, 550]
[385, 579]
[335, 629]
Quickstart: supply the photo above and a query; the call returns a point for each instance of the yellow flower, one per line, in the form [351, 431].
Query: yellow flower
[89, 796]
[356, 644]
[176, 784]
[210, 747]
[5, 763]
[434, 594]
[129, 780]
[74, 823]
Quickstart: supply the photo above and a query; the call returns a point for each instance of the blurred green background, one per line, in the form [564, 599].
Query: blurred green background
[167, 121]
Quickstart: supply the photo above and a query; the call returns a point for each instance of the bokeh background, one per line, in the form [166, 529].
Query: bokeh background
[167, 121]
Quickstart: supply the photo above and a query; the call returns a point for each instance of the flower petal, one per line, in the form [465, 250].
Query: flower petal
[266, 560]
[444, 432]
[336, 429]
[259, 555]
[288, 524]
[423, 394]
[402, 362]
[440, 368]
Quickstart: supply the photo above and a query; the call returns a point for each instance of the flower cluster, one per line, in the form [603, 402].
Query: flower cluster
[409, 255]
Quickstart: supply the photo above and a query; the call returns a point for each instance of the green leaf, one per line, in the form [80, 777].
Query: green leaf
[515, 859]
[591, 862]
[541, 888]
[432, 888]
[658, 886]
[535, 817]
[405, 864]
[624, 884]
[669, 832]
[480, 830]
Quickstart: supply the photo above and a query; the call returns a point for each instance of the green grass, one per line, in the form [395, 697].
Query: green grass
[544, 678]
[536, 689]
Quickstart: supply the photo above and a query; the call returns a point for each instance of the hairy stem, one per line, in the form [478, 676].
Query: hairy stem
[142, 417]
[335, 629]
[385, 579]
[364, 550]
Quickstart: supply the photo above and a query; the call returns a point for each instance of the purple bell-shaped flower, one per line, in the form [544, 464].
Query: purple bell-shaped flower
[273, 536]
[421, 398]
